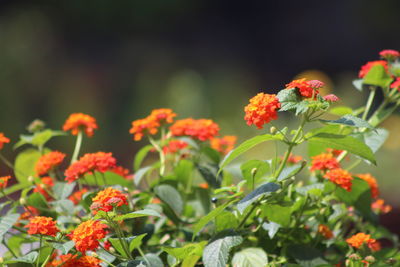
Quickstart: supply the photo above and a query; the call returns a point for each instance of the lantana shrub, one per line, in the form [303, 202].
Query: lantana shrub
[183, 204]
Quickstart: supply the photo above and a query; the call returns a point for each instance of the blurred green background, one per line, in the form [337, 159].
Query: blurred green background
[117, 60]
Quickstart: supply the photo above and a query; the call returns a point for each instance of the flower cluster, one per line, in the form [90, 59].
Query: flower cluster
[108, 198]
[87, 235]
[4, 181]
[201, 129]
[77, 122]
[340, 177]
[174, 146]
[307, 89]
[325, 231]
[3, 140]
[71, 260]
[262, 109]
[379, 206]
[373, 184]
[324, 162]
[359, 239]
[224, 144]
[48, 162]
[89, 163]
[40, 225]
[389, 54]
[368, 66]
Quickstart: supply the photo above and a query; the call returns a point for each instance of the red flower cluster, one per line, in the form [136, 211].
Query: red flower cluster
[70, 260]
[42, 226]
[77, 196]
[107, 199]
[379, 206]
[373, 184]
[87, 235]
[174, 146]
[306, 88]
[4, 181]
[77, 122]
[340, 177]
[331, 98]
[150, 124]
[389, 54]
[359, 239]
[396, 84]
[325, 231]
[224, 144]
[89, 163]
[262, 109]
[324, 162]
[201, 129]
[3, 140]
[48, 162]
[120, 171]
[368, 66]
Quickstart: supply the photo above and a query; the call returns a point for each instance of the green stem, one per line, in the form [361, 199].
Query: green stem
[243, 221]
[48, 257]
[40, 248]
[369, 103]
[120, 236]
[78, 145]
[143, 256]
[161, 153]
[6, 161]
[9, 249]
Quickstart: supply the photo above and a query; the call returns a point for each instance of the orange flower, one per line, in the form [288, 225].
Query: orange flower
[77, 122]
[48, 162]
[174, 146]
[204, 185]
[163, 115]
[43, 188]
[294, 159]
[306, 88]
[120, 171]
[324, 162]
[340, 177]
[368, 66]
[142, 127]
[379, 206]
[335, 152]
[3, 140]
[77, 196]
[325, 231]
[42, 226]
[89, 163]
[224, 144]
[359, 239]
[70, 260]
[4, 181]
[373, 184]
[87, 235]
[262, 109]
[201, 129]
[107, 199]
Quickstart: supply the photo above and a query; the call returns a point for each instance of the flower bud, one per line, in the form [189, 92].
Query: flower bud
[258, 212]
[370, 259]
[36, 126]
[253, 172]
[22, 201]
[273, 130]
[354, 257]
[111, 249]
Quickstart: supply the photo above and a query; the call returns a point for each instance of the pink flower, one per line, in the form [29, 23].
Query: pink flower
[389, 54]
[331, 98]
[316, 84]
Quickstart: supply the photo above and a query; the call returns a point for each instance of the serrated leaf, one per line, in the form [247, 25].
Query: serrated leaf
[171, 196]
[216, 253]
[137, 214]
[6, 223]
[64, 206]
[63, 247]
[140, 156]
[225, 220]
[377, 76]
[263, 190]
[37, 200]
[291, 171]
[250, 257]
[105, 255]
[247, 145]
[350, 120]
[210, 216]
[289, 98]
[63, 190]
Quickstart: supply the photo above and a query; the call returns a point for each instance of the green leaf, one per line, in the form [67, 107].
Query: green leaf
[261, 167]
[134, 263]
[272, 228]
[105, 255]
[14, 188]
[38, 139]
[6, 223]
[289, 99]
[63, 247]
[212, 154]
[25, 164]
[135, 241]
[263, 190]
[373, 139]
[37, 200]
[246, 145]
[342, 142]
[341, 111]
[209, 175]
[306, 256]
[358, 84]
[210, 216]
[250, 257]
[184, 170]
[110, 178]
[141, 173]
[350, 120]
[140, 156]
[171, 196]
[187, 250]
[28, 258]
[291, 171]
[278, 214]
[225, 220]
[137, 214]
[64, 206]
[315, 189]
[63, 190]
[151, 260]
[377, 76]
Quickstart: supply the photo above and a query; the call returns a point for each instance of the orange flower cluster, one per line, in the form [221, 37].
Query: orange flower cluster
[47, 183]
[87, 235]
[306, 88]
[201, 129]
[70, 260]
[224, 144]
[77, 122]
[389, 54]
[4, 181]
[150, 124]
[48, 162]
[325, 231]
[368, 66]
[174, 146]
[340, 177]
[42, 226]
[89, 163]
[29, 213]
[262, 109]
[293, 159]
[120, 171]
[107, 199]
[379, 206]
[77, 196]
[3, 140]
[359, 239]
[324, 162]
[373, 184]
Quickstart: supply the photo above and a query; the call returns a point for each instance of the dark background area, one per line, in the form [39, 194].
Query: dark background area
[117, 60]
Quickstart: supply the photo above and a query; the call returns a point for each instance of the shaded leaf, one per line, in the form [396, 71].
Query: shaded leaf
[263, 190]
[6, 223]
[63, 190]
[306, 256]
[151, 260]
[250, 257]
[209, 175]
[137, 214]
[63, 247]
[272, 228]
[350, 120]
[171, 196]
[291, 171]
[377, 76]
[28, 258]
[140, 156]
